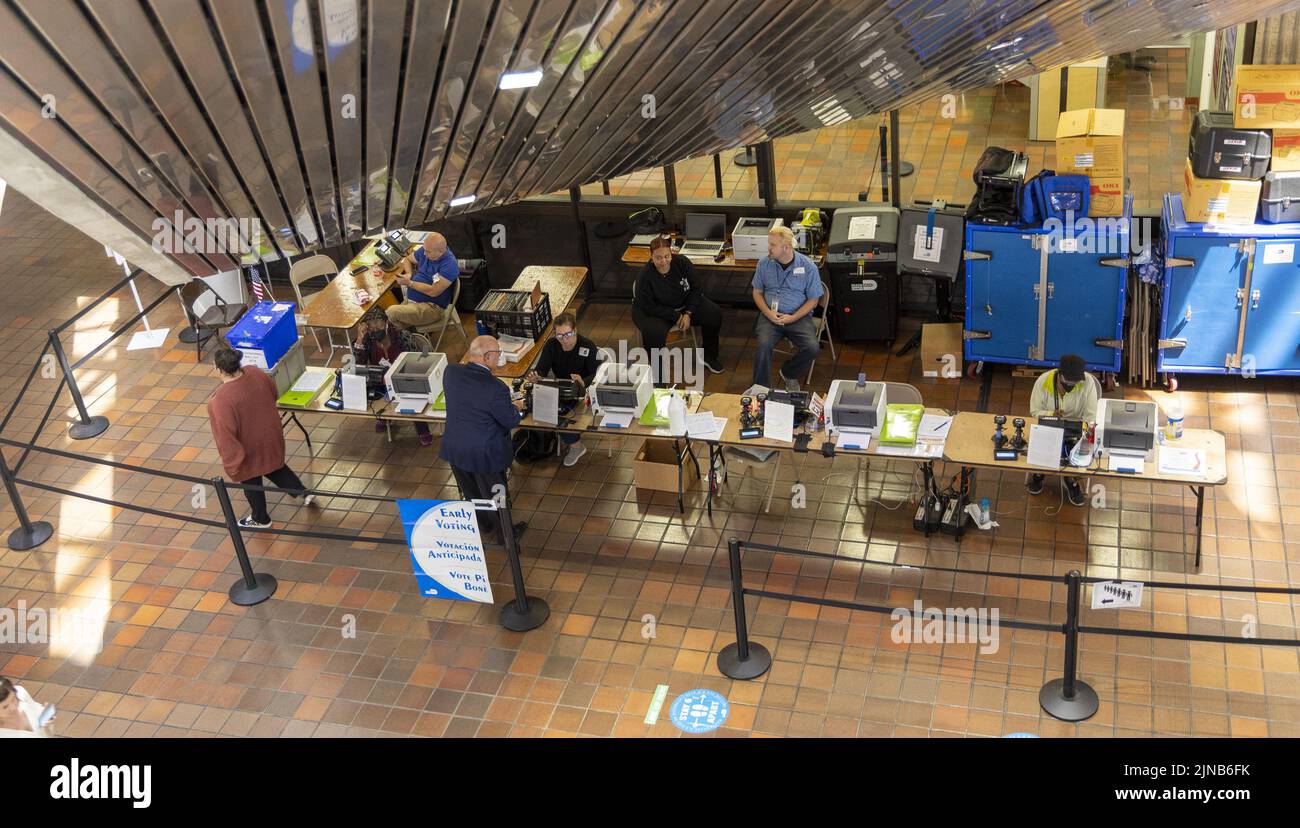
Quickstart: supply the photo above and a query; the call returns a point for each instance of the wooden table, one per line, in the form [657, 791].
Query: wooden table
[728, 407]
[335, 305]
[970, 444]
[561, 285]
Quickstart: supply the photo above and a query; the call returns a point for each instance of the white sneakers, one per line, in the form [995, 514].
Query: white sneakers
[790, 384]
[309, 500]
[574, 454]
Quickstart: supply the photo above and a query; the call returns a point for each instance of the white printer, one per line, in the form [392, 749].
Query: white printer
[415, 380]
[622, 388]
[855, 406]
[1127, 427]
[749, 237]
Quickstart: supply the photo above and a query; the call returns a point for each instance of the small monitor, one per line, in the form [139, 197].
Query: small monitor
[706, 226]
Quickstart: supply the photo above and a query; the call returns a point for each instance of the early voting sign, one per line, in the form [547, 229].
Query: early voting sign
[446, 549]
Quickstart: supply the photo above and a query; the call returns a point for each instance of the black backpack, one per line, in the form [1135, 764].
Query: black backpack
[533, 446]
[999, 175]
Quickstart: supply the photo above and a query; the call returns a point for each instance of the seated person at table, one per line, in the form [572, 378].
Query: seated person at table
[568, 355]
[786, 288]
[428, 276]
[381, 341]
[1069, 392]
[668, 298]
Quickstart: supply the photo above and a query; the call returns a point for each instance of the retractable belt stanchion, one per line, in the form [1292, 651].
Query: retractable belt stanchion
[254, 587]
[524, 612]
[745, 659]
[28, 535]
[1067, 698]
[88, 426]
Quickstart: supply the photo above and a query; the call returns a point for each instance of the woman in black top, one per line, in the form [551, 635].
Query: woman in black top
[667, 297]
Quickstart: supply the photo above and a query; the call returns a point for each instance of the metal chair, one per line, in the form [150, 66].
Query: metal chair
[449, 314]
[822, 325]
[216, 318]
[304, 271]
[899, 393]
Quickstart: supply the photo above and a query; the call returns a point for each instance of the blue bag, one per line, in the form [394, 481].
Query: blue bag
[1048, 195]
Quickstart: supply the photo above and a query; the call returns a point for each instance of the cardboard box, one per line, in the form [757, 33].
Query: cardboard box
[1286, 150]
[941, 351]
[1267, 97]
[1106, 197]
[1221, 201]
[1091, 142]
[655, 467]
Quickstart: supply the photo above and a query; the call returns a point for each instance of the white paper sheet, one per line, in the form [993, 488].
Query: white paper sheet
[147, 339]
[546, 404]
[852, 440]
[778, 421]
[702, 425]
[862, 227]
[919, 251]
[354, 392]
[312, 379]
[614, 419]
[934, 427]
[1181, 461]
[1121, 462]
[1045, 446]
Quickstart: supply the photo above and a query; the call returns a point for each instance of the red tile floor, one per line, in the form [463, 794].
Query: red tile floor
[179, 659]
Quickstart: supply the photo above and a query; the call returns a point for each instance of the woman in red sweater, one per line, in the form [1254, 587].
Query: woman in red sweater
[246, 428]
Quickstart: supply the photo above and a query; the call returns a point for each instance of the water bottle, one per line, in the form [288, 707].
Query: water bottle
[984, 510]
[1173, 419]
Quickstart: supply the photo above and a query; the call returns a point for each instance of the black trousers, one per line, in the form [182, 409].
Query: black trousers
[654, 331]
[481, 486]
[282, 477]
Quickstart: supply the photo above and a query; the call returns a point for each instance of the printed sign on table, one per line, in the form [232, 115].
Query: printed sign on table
[446, 549]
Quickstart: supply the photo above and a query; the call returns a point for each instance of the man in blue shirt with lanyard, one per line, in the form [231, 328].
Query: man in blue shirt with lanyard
[786, 289]
[427, 278]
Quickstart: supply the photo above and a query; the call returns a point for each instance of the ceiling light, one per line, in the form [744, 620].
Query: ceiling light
[521, 80]
[461, 201]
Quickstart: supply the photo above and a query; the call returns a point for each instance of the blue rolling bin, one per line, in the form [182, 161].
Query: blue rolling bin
[1033, 296]
[1230, 299]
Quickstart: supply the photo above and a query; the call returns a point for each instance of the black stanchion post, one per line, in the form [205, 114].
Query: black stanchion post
[746, 158]
[745, 659]
[524, 612]
[28, 535]
[1067, 698]
[88, 426]
[254, 587]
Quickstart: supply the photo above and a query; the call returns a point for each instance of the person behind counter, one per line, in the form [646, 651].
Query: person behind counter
[786, 288]
[668, 298]
[428, 276]
[480, 416]
[381, 342]
[1070, 392]
[568, 355]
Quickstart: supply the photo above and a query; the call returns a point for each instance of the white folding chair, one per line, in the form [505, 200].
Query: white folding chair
[449, 315]
[822, 327]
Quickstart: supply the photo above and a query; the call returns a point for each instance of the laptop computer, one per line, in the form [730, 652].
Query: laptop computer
[705, 235]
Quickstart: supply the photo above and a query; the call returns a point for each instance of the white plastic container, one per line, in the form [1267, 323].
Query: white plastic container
[1173, 419]
[677, 414]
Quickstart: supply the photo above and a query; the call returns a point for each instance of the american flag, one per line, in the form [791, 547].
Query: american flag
[259, 289]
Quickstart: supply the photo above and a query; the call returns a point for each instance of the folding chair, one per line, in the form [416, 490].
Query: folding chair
[449, 314]
[304, 271]
[217, 317]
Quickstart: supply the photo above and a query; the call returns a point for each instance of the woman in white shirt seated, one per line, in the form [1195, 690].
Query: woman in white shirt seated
[20, 715]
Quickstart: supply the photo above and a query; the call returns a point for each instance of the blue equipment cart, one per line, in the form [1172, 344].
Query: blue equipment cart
[1230, 299]
[1034, 294]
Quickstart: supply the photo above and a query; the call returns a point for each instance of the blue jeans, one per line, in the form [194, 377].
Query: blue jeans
[569, 439]
[802, 334]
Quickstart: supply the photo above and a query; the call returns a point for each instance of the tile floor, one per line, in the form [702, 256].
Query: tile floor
[178, 659]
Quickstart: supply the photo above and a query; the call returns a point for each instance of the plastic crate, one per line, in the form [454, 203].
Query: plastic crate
[526, 324]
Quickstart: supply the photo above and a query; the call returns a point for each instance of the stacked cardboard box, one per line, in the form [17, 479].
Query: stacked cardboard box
[1091, 142]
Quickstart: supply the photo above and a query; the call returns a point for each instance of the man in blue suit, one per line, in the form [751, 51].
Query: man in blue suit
[480, 416]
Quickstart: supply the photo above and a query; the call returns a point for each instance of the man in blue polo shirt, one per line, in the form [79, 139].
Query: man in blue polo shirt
[786, 289]
[428, 278]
